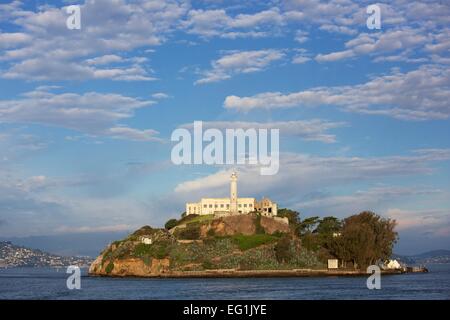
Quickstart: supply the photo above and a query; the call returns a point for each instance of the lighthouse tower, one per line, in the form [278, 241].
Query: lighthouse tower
[233, 194]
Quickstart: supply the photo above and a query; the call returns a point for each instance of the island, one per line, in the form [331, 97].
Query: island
[250, 245]
[243, 237]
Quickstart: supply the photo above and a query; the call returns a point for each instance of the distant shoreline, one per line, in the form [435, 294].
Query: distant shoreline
[252, 274]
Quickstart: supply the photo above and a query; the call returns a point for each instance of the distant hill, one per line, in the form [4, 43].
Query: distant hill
[73, 244]
[435, 256]
[12, 255]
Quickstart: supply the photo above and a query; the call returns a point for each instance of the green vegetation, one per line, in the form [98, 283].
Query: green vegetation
[357, 241]
[157, 250]
[282, 249]
[199, 218]
[246, 242]
[364, 239]
[110, 267]
[191, 232]
[171, 223]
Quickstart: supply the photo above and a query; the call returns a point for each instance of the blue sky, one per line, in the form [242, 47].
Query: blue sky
[86, 115]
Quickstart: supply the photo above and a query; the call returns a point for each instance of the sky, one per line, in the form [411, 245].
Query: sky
[86, 115]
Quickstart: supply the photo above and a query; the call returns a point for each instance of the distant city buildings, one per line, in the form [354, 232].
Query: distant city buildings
[16, 256]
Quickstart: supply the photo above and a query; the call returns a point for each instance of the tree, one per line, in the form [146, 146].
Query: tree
[282, 249]
[307, 225]
[293, 216]
[365, 238]
[328, 226]
[171, 223]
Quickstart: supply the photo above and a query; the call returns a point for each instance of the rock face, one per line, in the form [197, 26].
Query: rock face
[202, 245]
[243, 224]
[272, 225]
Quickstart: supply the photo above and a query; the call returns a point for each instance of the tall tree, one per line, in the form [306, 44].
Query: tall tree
[307, 225]
[328, 226]
[366, 238]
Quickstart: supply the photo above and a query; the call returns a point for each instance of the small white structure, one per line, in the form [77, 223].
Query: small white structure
[333, 263]
[146, 240]
[393, 264]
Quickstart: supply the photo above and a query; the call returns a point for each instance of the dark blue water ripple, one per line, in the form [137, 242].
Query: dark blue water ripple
[43, 283]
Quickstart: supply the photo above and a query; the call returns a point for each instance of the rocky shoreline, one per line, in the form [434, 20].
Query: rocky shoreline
[230, 273]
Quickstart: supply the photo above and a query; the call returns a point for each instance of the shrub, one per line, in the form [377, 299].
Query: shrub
[143, 249]
[109, 267]
[171, 223]
[207, 265]
[252, 241]
[211, 233]
[161, 251]
[157, 250]
[189, 233]
[282, 249]
[144, 231]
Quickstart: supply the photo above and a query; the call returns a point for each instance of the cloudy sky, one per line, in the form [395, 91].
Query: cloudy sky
[86, 115]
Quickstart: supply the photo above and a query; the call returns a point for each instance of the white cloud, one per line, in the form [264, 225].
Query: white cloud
[311, 130]
[302, 56]
[334, 56]
[108, 27]
[106, 59]
[421, 94]
[375, 199]
[91, 113]
[90, 229]
[8, 40]
[217, 23]
[338, 29]
[400, 40]
[160, 95]
[133, 134]
[42, 42]
[435, 222]
[302, 174]
[239, 62]
[301, 36]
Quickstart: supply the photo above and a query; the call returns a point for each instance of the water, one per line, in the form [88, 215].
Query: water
[44, 283]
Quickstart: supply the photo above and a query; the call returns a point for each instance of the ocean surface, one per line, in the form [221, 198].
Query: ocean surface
[46, 283]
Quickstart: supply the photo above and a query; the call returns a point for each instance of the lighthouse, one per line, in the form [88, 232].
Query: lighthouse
[233, 194]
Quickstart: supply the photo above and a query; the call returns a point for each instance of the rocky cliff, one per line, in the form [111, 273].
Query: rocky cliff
[199, 243]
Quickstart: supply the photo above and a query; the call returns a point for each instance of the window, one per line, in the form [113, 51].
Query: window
[245, 205]
[205, 206]
[215, 206]
[240, 205]
[210, 205]
[250, 205]
[228, 205]
[221, 205]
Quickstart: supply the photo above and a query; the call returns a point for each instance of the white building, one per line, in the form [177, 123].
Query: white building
[232, 205]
